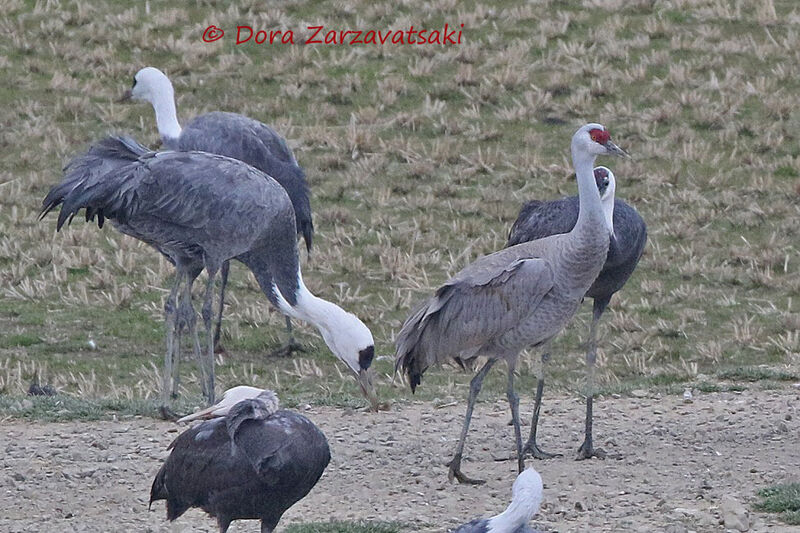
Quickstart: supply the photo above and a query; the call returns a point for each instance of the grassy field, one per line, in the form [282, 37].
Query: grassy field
[419, 158]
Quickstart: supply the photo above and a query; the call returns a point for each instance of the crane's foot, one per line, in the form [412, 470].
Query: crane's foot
[288, 349]
[532, 449]
[455, 472]
[167, 413]
[220, 349]
[587, 451]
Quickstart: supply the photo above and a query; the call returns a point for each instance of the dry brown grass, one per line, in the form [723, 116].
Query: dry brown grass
[418, 159]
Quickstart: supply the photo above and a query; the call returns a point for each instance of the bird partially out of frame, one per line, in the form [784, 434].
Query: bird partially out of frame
[526, 498]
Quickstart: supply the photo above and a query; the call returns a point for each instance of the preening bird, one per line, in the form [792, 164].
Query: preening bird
[200, 210]
[537, 220]
[514, 298]
[232, 135]
[526, 497]
[230, 398]
[254, 463]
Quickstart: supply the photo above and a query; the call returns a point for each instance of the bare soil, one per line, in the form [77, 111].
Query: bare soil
[676, 461]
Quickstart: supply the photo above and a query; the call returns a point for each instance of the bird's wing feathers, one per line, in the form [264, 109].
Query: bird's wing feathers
[537, 220]
[256, 144]
[473, 309]
[272, 445]
[236, 136]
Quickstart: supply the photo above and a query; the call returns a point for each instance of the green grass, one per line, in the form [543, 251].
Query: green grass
[782, 499]
[415, 155]
[349, 527]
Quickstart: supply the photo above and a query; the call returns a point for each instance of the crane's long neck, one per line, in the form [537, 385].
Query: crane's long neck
[321, 313]
[585, 248]
[166, 115]
[517, 514]
[591, 209]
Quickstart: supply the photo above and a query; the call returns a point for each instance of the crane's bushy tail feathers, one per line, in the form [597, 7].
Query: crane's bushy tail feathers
[412, 350]
[96, 181]
[307, 229]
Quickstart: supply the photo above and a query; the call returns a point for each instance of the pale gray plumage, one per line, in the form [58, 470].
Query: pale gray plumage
[201, 210]
[540, 219]
[181, 203]
[514, 298]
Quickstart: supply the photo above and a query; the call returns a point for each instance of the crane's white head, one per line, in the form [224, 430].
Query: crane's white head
[150, 85]
[594, 139]
[526, 498]
[346, 335]
[528, 487]
[606, 186]
[351, 341]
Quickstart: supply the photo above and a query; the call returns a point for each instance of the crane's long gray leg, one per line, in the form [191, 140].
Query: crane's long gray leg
[208, 306]
[513, 402]
[188, 319]
[531, 446]
[587, 450]
[226, 266]
[170, 323]
[474, 389]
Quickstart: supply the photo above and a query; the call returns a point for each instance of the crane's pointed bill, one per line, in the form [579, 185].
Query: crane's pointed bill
[613, 149]
[125, 96]
[365, 381]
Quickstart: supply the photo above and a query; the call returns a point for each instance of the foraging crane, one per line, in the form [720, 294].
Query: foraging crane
[537, 220]
[526, 498]
[200, 210]
[231, 135]
[254, 463]
[514, 298]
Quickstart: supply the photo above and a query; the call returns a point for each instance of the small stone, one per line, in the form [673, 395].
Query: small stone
[675, 528]
[734, 514]
[639, 393]
[16, 476]
[687, 396]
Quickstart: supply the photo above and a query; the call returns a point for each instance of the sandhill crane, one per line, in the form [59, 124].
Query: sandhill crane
[514, 298]
[232, 135]
[526, 497]
[201, 210]
[537, 220]
[253, 464]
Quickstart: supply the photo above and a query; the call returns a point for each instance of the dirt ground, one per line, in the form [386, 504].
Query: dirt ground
[677, 461]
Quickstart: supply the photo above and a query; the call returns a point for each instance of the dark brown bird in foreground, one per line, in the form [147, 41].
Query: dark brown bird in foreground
[254, 463]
